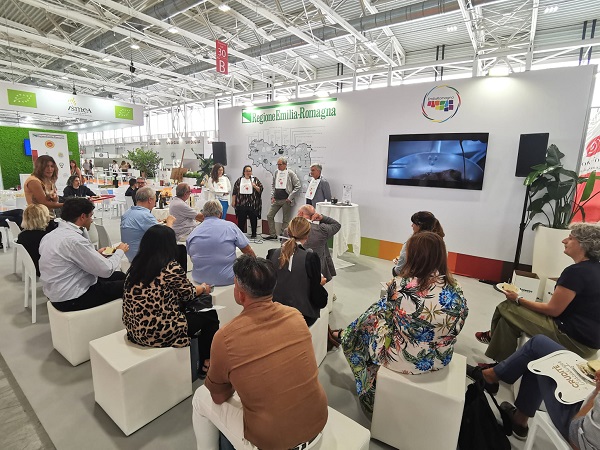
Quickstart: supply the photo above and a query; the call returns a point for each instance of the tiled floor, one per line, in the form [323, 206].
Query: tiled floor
[62, 396]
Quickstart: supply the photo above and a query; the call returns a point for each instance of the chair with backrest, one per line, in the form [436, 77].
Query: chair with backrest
[94, 237]
[103, 239]
[541, 421]
[14, 230]
[30, 278]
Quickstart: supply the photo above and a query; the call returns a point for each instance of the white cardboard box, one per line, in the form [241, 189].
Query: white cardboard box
[530, 285]
[549, 289]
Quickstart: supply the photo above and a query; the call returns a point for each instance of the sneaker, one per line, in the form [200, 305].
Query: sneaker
[270, 238]
[485, 337]
[474, 373]
[519, 431]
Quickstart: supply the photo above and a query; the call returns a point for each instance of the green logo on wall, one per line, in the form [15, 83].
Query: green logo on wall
[21, 98]
[123, 112]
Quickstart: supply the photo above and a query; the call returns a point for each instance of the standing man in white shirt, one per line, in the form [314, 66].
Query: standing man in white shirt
[186, 217]
[284, 187]
[74, 274]
[318, 189]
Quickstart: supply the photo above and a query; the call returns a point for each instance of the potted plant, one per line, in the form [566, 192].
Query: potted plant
[146, 161]
[552, 194]
[206, 165]
[190, 178]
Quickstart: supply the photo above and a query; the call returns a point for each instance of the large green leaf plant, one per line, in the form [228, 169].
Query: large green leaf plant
[552, 191]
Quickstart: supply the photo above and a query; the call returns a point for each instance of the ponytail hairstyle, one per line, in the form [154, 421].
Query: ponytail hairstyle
[298, 230]
[426, 221]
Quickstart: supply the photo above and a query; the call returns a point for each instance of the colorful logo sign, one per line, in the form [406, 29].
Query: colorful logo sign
[49, 144]
[123, 112]
[441, 103]
[21, 98]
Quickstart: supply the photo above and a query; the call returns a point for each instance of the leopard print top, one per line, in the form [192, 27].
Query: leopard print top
[152, 315]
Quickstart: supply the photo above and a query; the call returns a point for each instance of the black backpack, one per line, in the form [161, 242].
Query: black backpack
[479, 429]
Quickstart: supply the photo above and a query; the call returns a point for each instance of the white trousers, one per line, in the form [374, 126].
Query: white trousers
[209, 418]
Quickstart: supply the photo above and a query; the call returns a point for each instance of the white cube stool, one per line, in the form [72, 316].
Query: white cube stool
[318, 330]
[223, 296]
[136, 384]
[340, 432]
[408, 406]
[72, 331]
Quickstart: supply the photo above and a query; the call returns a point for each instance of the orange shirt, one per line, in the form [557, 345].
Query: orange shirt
[266, 355]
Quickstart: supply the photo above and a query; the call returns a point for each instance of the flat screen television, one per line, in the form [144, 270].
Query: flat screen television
[27, 145]
[446, 160]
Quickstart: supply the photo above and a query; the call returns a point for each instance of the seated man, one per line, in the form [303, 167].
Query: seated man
[138, 219]
[212, 245]
[74, 275]
[186, 217]
[132, 189]
[265, 355]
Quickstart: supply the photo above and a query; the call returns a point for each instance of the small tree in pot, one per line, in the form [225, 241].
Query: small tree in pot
[146, 161]
[558, 187]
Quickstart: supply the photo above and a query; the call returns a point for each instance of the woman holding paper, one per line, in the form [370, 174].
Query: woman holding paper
[155, 286]
[571, 317]
[219, 187]
[246, 200]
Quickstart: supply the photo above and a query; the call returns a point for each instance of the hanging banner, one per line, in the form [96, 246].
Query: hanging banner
[28, 99]
[55, 145]
[222, 61]
[590, 161]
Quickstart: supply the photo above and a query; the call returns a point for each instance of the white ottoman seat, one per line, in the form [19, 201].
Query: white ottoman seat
[318, 330]
[136, 384]
[223, 296]
[408, 406]
[72, 331]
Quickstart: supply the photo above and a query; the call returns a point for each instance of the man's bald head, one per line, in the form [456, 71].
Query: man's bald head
[306, 211]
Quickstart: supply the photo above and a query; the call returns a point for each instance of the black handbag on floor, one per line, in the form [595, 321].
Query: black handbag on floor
[479, 429]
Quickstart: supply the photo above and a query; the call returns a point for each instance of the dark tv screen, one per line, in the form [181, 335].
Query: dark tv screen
[27, 145]
[446, 160]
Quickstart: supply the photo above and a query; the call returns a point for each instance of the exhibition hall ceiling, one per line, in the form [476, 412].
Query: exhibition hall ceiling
[279, 49]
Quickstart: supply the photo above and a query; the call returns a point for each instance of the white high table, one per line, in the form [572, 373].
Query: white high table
[349, 217]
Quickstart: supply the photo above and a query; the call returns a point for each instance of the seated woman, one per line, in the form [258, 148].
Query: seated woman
[35, 221]
[413, 330]
[579, 423]
[155, 286]
[421, 221]
[74, 188]
[299, 279]
[571, 317]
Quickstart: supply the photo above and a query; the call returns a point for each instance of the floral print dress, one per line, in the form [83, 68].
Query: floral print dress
[409, 331]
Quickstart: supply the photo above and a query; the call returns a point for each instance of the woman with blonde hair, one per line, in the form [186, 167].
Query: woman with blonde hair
[40, 186]
[35, 221]
[299, 279]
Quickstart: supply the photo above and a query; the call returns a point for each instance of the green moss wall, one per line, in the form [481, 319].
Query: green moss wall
[12, 153]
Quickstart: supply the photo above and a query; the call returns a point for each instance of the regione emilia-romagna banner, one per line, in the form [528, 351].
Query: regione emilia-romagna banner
[55, 145]
[27, 99]
[296, 131]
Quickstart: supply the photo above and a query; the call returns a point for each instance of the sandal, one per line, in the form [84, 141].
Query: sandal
[203, 371]
[485, 337]
[519, 431]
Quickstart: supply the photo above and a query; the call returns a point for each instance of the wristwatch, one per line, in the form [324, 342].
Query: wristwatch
[517, 301]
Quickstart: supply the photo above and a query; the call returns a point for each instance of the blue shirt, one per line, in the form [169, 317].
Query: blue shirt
[134, 224]
[211, 247]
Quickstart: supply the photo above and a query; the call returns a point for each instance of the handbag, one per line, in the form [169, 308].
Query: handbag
[196, 305]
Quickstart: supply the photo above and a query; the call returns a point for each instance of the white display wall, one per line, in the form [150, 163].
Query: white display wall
[352, 146]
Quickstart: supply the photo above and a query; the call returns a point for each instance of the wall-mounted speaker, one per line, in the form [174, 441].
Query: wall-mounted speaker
[219, 153]
[532, 151]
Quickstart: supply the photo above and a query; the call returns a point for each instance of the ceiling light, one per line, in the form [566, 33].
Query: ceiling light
[64, 77]
[314, 56]
[106, 58]
[550, 9]
[499, 71]
[224, 7]
[322, 94]
[170, 88]
[451, 28]
[49, 84]
[84, 69]
[134, 46]
[173, 30]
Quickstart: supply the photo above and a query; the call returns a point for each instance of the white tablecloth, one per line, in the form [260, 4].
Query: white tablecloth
[349, 218]
[160, 214]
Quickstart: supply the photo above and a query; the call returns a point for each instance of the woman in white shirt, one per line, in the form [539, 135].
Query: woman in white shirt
[219, 187]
